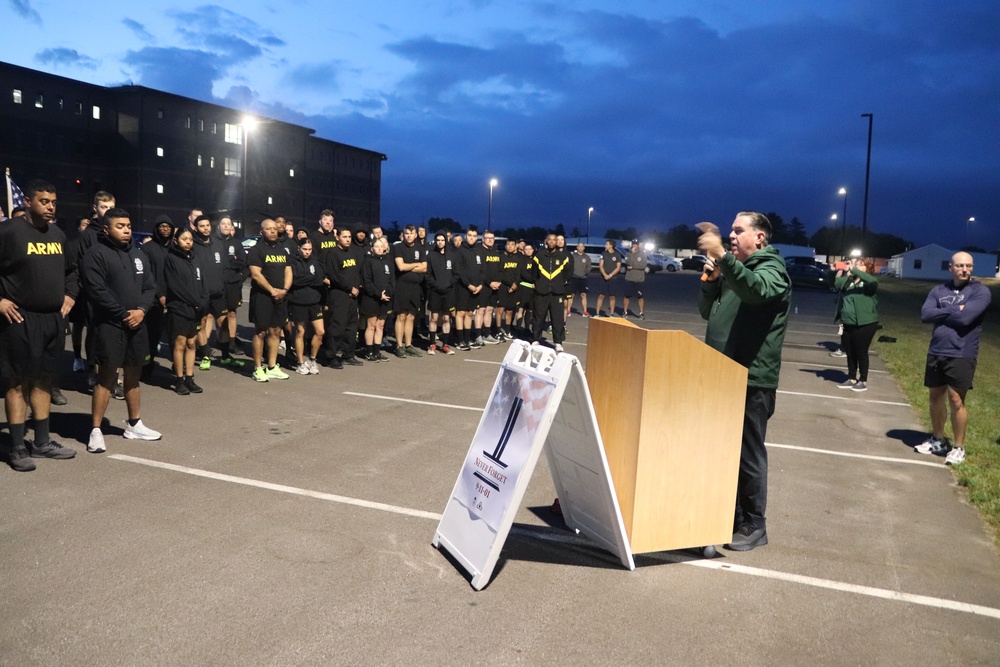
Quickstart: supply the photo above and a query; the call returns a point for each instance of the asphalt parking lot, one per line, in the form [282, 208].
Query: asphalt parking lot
[290, 523]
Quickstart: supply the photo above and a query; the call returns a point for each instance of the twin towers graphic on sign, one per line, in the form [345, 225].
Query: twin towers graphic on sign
[496, 455]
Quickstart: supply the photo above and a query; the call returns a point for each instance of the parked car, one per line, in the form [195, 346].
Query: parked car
[803, 275]
[694, 263]
[666, 262]
[250, 242]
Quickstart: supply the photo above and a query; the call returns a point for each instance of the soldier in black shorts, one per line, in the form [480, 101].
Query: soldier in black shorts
[411, 265]
[343, 270]
[186, 301]
[510, 292]
[486, 315]
[305, 306]
[208, 256]
[471, 274]
[38, 286]
[156, 254]
[271, 278]
[441, 293]
[234, 274]
[378, 282]
[120, 288]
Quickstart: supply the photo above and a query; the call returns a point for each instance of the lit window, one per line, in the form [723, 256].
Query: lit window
[291, 173]
[231, 167]
[187, 122]
[211, 163]
[159, 188]
[159, 151]
[96, 112]
[234, 134]
[270, 201]
[159, 114]
[17, 96]
[39, 101]
[61, 103]
[199, 160]
[201, 125]
[215, 128]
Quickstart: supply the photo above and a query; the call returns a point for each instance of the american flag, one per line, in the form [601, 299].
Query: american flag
[15, 197]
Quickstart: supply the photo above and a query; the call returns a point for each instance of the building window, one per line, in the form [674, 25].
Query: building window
[159, 188]
[96, 112]
[234, 134]
[215, 128]
[201, 125]
[159, 151]
[270, 200]
[78, 109]
[211, 163]
[199, 159]
[918, 264]
[159, 114]
[187, 122]
[17, 96]
[231, 167]
[61, 103]
[291, 173]
[39, 101]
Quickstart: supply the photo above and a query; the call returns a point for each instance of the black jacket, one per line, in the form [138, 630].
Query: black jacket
[343, 268]
[207, 254]
[378, 274]
[471, 265]
[307, 281]
[442, 270]
[185, 290]
[116, 279]
[550, 271]
[234, 260]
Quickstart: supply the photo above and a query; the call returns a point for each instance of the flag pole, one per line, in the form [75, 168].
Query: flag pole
[10, 196]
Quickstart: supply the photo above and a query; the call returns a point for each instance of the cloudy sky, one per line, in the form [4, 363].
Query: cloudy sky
[654, 112]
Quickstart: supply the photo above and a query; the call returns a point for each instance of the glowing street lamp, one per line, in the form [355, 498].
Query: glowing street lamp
[843, 223]
[489, 216]
[590, 211]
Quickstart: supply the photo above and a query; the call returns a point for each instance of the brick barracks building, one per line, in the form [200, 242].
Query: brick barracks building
[160, 153]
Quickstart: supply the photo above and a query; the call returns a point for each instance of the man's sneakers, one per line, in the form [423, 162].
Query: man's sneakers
[860, 386]
[847, 384]
[400, 352]
[51, 450]
[586, 314]
[180, 387]
[275, 373]
[464, 347]
[838, 353]
[935, 446]
[352, 361]
[138, 432]
[259, 374]
[206, 363]
[118, 393]
[642, 315]
[559, 347]
[231, 362]
[303, 368]
[447, 350]
[748, 537]
[20, 459]
[192, 387]
[57, 397]
[432, 348]
[955, 456]
[491, 340]
[96, 443]
[411, 351]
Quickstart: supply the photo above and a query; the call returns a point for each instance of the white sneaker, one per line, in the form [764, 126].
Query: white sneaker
[955, 456]
[303, 368]
[934, 446]
[313, 367]
[96, 443]
[559, 348]
[141, 432]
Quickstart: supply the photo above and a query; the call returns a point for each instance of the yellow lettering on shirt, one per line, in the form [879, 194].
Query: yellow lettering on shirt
[348, 262]
[327, 244]
[276, 259]
[41, 248]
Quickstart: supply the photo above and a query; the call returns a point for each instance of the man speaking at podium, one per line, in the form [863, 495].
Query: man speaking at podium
[745, 294]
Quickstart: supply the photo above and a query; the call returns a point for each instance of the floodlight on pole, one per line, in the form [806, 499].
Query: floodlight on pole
[843, 223]
[590, 212]
[489, 215]
[247, 124]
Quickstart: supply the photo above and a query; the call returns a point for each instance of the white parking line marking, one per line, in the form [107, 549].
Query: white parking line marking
[802, 363]
[716, 564]
[279, 487]
[483, 361]
[842, 398]
[831, 452]
[410, 400]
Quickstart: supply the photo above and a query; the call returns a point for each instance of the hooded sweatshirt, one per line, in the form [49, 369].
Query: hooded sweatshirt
[156, 250]
[185, 290]
[117, 279]
[207, 254]
[234, 262]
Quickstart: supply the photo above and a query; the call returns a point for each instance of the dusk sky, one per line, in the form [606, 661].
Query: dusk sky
[656, 113]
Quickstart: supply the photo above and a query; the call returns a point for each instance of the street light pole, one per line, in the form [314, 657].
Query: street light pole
[589, 212]
[843, 224]
[968, 239]
[489, 215]
[248, 124]
[868, 169]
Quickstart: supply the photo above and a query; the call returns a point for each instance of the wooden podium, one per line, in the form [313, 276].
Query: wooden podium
[670, 411]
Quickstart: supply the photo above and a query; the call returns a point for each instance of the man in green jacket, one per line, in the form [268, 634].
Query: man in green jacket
[745, 296]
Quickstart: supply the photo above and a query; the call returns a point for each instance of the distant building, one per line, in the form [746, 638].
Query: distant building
[161, 153]
[930, 262]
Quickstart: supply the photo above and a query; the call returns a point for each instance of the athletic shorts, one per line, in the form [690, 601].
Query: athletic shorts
[955, 372]
[234, 296]
[610, 287]
[299, 313]
[633, 289]
[30, 350]
[578, 286]
[370, 307]
[217, 306]
[508, 299]
[465, 301]
[482, 300]
[265, 313]
[78, 313]
[119, 347]
[178, 325]
[441, 303]
[407, 299]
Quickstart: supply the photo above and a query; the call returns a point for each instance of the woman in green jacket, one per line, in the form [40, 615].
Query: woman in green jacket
[857, 310]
